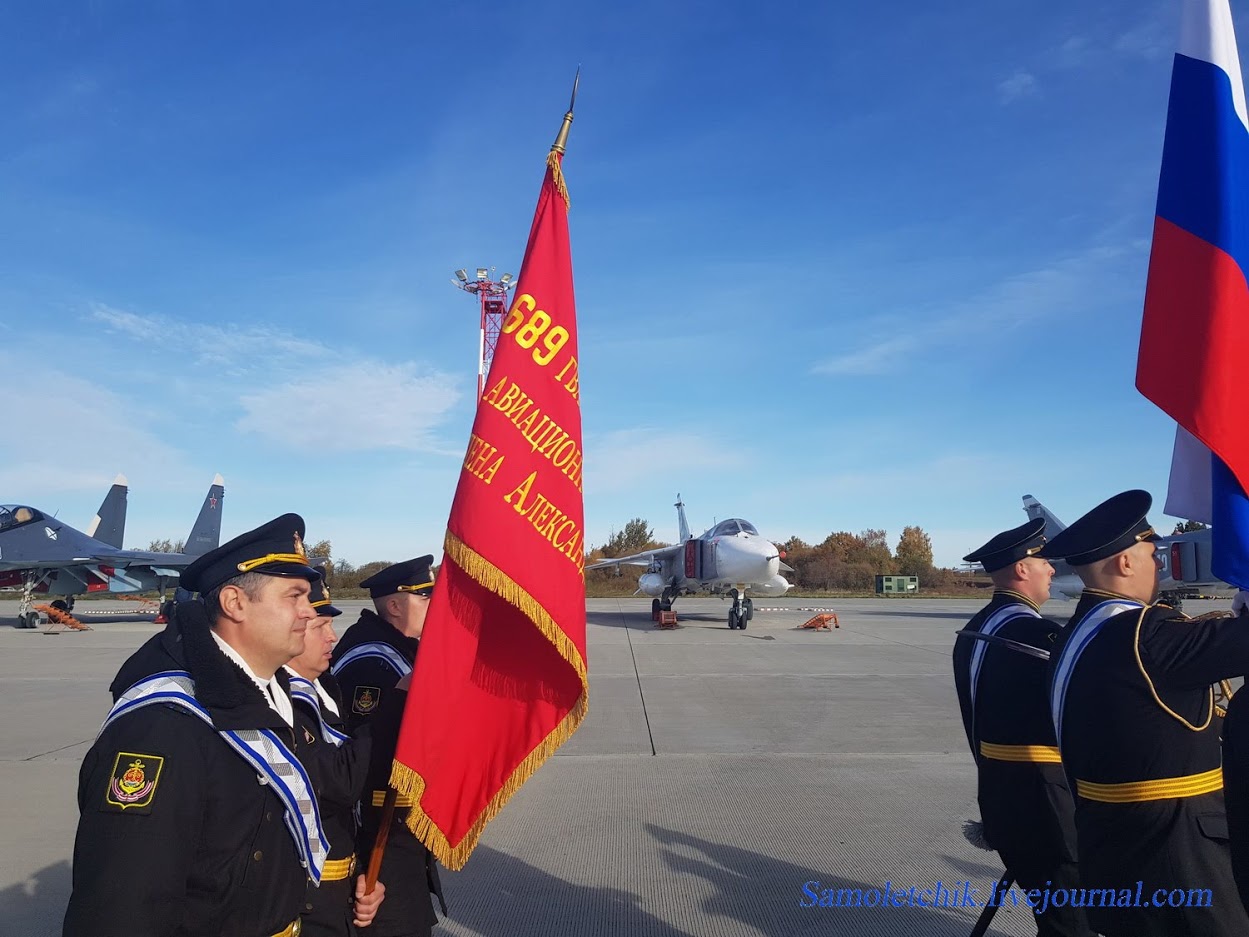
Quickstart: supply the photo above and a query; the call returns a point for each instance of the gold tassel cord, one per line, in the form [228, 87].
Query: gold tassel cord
[410, 784]
[557, 176]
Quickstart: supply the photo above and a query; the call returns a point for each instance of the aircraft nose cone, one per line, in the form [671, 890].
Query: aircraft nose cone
[742, 559]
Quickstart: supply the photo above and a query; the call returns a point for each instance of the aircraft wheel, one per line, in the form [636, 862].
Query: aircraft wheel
[29, 620]
[733, 619]
[748, 611]
[61, 604]
[655, 609]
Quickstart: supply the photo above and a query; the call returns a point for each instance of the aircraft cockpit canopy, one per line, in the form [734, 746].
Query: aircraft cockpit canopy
[732, 527]
[15, 515]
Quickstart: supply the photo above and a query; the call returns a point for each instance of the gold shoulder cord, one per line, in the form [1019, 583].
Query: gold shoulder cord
[1136, 648]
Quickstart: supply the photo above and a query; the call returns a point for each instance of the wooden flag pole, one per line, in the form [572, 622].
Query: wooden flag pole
[379, 844]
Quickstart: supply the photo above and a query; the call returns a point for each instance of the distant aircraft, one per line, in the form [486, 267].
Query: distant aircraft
[41, 555]
[1183, 562]
[729, 559]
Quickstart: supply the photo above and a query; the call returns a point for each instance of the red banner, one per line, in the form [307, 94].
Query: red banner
[500, 680]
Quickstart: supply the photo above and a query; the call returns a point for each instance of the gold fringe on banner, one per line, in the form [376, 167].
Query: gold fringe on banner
[410, 784]
[553, 161]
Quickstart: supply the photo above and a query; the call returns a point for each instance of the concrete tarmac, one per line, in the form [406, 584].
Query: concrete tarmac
[717, 772]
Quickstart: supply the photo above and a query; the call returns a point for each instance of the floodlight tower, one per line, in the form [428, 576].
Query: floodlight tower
[493, 297]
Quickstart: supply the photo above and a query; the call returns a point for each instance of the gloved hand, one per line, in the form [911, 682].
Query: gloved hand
[1240, 602]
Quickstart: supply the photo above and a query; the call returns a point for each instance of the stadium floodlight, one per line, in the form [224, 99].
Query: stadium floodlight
[483, 273]
[463, 275]
[506, 280]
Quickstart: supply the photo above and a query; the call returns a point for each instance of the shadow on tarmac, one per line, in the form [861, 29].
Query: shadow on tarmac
[500, 894]
[36, 907]
[743, 878]
[915, 613]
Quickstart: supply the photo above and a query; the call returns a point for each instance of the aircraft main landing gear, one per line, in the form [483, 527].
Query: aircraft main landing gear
[661, 604]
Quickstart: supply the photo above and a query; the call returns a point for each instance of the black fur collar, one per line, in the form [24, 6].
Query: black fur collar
[221, 686]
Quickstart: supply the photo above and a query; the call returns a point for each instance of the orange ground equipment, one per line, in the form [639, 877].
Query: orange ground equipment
[667, 620]
[825, 621]
[63, 619]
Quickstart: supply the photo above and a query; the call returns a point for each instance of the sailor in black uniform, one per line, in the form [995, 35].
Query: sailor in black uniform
[1025, 804]
[197, 817]
[342, 763]
[375, 655]
[1132, 702]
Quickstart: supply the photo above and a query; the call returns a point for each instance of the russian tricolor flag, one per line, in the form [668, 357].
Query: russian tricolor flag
[1194, 354]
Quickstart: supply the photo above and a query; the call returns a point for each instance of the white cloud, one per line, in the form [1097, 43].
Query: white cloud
[232, 348]
[1019, 85]
[64, 422]
[1067, 283]
[1074, 52]
[351, 407]
[1153, 40]
[295, 391]
[617, 460]
[881, 357]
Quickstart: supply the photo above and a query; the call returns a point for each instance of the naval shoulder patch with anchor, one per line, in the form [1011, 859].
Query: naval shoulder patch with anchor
[365, 700]
[132, 783]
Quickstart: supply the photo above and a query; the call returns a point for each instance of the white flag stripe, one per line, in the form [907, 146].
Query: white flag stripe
[1206, 33]
[1188, 491]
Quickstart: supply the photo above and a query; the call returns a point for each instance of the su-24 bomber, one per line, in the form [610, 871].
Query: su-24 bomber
[42, 555]
[730, 559]
[1183, 562]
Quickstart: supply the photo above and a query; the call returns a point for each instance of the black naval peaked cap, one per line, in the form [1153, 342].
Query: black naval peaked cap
[273, 549]
[319, 596]
[1111, 527]
[415, 576]
[1010, 546]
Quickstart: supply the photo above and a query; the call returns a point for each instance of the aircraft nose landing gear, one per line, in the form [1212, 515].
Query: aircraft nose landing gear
[741, 611]
[27, 617]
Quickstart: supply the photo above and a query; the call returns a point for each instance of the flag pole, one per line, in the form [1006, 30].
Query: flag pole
[561, 138]
[379, 844]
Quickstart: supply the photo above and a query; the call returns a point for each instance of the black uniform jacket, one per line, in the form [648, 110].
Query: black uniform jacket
[338, 773]
[1025, 802]
[1139, 707]
[408, 869]
[1236, 782]
[205, 851]
[366, 683]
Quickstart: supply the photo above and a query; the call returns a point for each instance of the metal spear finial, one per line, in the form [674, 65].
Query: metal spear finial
[561, 138]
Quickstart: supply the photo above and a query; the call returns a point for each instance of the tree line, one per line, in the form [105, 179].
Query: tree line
[842, 561]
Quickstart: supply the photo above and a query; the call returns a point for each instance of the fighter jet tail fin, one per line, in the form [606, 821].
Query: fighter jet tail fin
[682, 524]
[1034, 509]
[109, 524]
[206, 534]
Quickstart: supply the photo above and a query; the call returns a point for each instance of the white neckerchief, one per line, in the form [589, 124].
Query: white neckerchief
[325, 697]
[272, 691]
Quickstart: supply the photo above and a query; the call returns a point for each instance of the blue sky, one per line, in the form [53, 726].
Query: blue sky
[838, 265]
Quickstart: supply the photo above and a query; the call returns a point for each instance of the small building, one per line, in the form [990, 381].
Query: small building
[897, 585]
